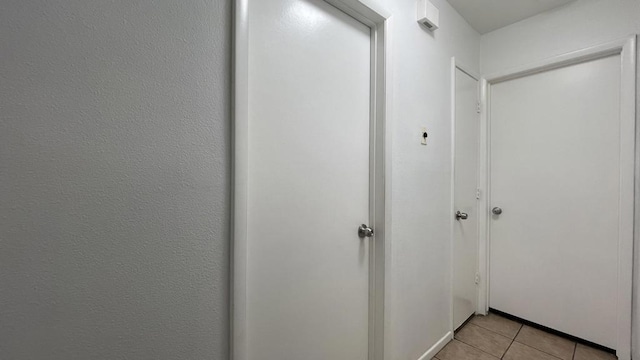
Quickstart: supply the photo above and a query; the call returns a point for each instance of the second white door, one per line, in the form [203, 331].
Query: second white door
[555, 175]
[465, 230]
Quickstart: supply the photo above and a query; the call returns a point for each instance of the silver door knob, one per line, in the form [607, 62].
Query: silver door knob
[365, 231]
[461, 215]
[496, 211]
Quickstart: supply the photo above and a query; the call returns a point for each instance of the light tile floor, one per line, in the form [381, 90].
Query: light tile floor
[493, 337]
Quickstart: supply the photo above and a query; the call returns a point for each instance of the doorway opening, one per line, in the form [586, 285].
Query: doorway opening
[557, 167]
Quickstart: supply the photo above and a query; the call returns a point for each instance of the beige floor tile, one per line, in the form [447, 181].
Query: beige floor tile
[587, 353]
[456, 350]
[496, 323]
[519, 351]
[483, 339]
[548, 343]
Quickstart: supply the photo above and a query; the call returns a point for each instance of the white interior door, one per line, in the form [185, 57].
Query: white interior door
[309, 173]
[555, 173]
[465, 230]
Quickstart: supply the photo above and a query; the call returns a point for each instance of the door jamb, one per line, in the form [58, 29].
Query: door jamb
[379, 20]
[456, 65]
[626, 48]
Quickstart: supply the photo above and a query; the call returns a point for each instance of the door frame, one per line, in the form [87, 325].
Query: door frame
[379, 21]
[626, 48]
[457, 65]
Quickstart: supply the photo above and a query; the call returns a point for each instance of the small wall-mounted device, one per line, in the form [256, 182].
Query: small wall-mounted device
[428, 14]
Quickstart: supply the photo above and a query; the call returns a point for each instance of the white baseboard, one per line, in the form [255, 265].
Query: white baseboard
[437, 347]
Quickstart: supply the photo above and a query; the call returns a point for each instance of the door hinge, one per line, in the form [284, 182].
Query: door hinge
[478, 194]
[478, 107]
[477, 278]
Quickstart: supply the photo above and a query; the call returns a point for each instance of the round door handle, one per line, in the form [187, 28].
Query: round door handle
[461, 215]
[365, 231]
[496, 211]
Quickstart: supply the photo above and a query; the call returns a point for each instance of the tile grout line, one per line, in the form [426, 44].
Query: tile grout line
[482, 351]
[495, 332]
[535, 348]
[558, 334]
[479, 348]
[575, 344]
[512, 341]
[542, 351]
[507, 350]
[510, 344]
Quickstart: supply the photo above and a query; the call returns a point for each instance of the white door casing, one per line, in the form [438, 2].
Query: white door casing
[465, 146]
[577, 67]
[309, 158]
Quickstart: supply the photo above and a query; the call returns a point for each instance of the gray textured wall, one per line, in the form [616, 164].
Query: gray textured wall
[114, 179]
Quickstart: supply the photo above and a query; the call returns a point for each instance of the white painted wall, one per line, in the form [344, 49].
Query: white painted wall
[419, 311]
[114, 179]
[572, 27]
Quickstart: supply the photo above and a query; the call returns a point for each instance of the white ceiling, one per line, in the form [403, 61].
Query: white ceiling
[488, 15]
